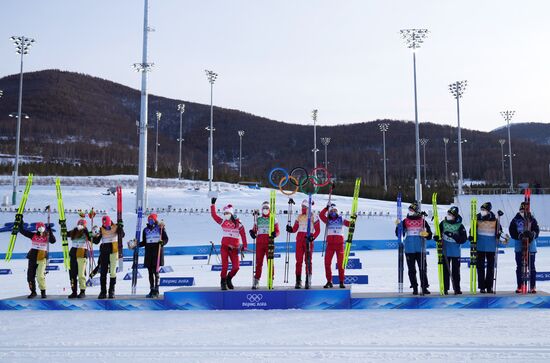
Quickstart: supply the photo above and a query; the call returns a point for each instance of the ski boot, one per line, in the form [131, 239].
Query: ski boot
[533, 291]
[157, 292]
[112, 283]
[490, 290]
[256, 284]
[229, 283]
[82, 294]
[483, 291]
[298, 282]
[458, 292]
[342, 286]
[223, 284]
[73, 295]
[519, 290]
[425, 291]
[446, 292]
[32, 287]
[328, 285]
[151, 294]
[415, 290]
[43, 294]
[308, 282]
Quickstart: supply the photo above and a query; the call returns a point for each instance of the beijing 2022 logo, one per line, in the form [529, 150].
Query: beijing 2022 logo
[254, 301]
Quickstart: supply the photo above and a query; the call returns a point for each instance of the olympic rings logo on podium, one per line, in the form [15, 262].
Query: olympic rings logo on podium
[299, 178]
[254, 298]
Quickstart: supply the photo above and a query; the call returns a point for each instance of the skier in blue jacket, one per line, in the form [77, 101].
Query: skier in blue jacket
[415, 228]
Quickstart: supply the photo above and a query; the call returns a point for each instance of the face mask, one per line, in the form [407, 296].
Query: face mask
[265, 211]
[304, 210]
[41, 229]
[450, 217]
[411, 213]
[150, 222]
[522, 214]
[227, 216]
[333, 215]
[80, 227]
[484, 213]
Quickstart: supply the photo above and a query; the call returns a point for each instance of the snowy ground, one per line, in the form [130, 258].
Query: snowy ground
[271, 336]
[288, 336]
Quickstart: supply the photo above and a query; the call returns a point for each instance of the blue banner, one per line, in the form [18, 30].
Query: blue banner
[5, 271]
[543, 276]
[353, 264]
[52, 268]
[166, 269]
[200, 257]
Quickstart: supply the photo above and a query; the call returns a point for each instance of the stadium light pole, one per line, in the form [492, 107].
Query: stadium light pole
[413, 39]
[384, 128]
[241, 134]
[159, 115]
[507, 115]
[325, 141]
[22, 46]
[446, 141]
[211, 76]
[423, 142]
[144, 68]
[181, 109]
[502, 142]
[457, 89]
[315, 150]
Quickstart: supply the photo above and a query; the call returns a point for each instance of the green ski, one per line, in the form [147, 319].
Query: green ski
[439, 245]
[352, 219]
[62, 225]
[271, 244]
[18, 218]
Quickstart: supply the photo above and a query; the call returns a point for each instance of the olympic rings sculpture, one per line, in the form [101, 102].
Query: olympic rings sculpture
[299, 178]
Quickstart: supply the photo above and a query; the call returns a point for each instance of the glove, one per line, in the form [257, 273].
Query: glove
[95, 231]
[333, 186]
[437, 238]
[310, 238]
[120, 224]
[132, 244]
[500, 213]
[245, 248]
[424, 234]
[162, 224]
[289, 229]
[471, 238]
[397, 221]
[19, 217]
[252, 234]
[213, 200]
[273, 235]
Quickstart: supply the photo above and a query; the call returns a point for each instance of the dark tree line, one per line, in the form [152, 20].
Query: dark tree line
[82, 125]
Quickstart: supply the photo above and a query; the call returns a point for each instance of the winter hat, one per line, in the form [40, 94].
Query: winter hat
[106, 221]
[40, 224]
[332, 208]
[305, 203]
[228, 209]
[153, 216]
[453, 211]
[81, 222]
[265, 205]
[414, 207]
[487, 206]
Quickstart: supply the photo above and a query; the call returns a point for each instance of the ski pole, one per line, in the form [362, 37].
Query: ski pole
[497, 235]
[255, 216]
[48, 260]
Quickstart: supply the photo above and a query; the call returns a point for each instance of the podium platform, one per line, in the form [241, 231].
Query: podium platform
[196, 298]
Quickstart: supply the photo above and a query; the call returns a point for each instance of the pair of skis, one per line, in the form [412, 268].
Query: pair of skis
[525, 244]
[135, 258]
[120, 226]
[62, 224]
[473, 247]
[352, 220]
[439, 246]
[400, 246]
[18, 218]
[271, 243]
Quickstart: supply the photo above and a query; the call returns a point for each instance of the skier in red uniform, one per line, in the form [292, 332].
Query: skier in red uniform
[232, 230]
[335, 242]
[300, 226]
[260, 232]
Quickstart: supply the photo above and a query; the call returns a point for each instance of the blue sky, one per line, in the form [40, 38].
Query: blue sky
[280, 59]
